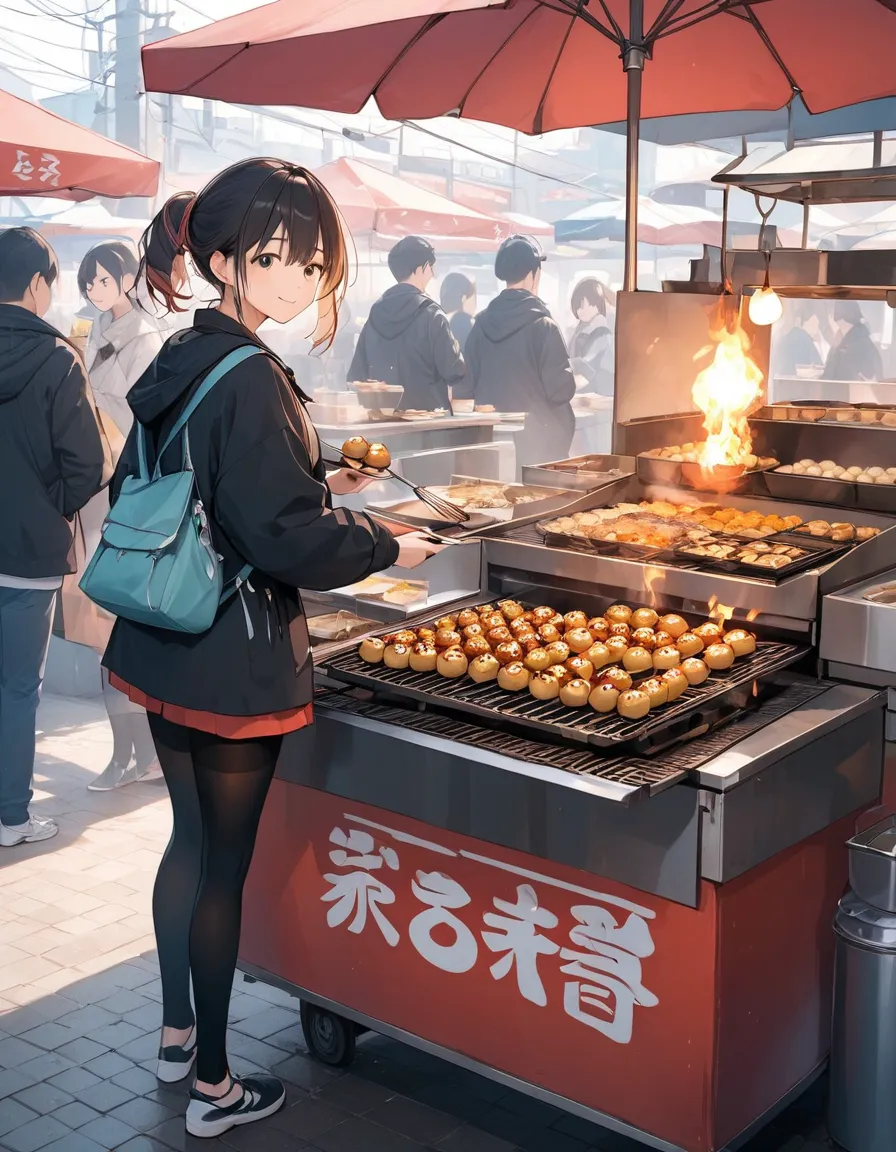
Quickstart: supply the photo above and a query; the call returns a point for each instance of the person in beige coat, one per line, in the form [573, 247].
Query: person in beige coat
[123, 343]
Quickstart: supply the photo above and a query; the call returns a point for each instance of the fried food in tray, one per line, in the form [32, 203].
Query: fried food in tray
[634, 672]
[691, 453]
[489, 497]
[757, 525]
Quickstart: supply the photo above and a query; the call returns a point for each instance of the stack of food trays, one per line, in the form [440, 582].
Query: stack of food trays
[629, 660]
[811, 411]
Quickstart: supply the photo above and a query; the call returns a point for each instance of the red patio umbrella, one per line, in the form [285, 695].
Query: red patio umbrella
[535, 65]
[43, 155]
[374, 201]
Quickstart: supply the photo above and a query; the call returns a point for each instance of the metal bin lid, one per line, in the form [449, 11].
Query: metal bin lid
[865, 925]
[880, 838]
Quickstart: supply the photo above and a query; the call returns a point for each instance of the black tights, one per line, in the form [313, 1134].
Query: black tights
[217, 789]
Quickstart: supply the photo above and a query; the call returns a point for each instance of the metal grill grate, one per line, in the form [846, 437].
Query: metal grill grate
[551, 719]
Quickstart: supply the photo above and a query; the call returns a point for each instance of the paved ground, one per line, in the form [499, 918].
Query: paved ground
[79, 1010]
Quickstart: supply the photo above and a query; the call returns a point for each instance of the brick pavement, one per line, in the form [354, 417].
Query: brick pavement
[79, 1010]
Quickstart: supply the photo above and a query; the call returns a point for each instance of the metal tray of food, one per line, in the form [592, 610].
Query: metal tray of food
[552, 720]
[674, 473]
[621, 548]
[580, 473]
[834, 493]
[815, 553]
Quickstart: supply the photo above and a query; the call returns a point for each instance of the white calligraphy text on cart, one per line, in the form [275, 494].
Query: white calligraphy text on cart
[601, 959]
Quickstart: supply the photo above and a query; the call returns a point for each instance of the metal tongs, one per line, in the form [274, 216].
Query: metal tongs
[443, 508]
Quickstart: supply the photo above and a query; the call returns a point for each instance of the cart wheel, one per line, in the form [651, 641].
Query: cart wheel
[330, 1038]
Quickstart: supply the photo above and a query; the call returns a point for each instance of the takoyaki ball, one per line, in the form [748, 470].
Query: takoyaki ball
[447, 638]
[581, 667]
[493, 620]
[695, 670]
[466, 617]
[548, 633]
[537, 660]
[575, 694]
[355, 448]
[508, 653]
[529, 643]
[668, 657]
[741, 641]
[599, 655]
[371, 650]
[676, 682]
[675, 625]
[617, 646]
[618, 677]
[452, 664]
[423, 657]
[558, 621]
[529, 617]
[688, 644]
[544, 686]
[657, 691]
[499, 635]
[644, 638]
[478, 646]
[618, 614]
[599, 627]
[604, 697]
[644, 618]
[448, 623]
[484, 609]
[471, 630]
[513, 677]
[560, 673]
[402, 636]
[542, 615]
[633, 705]
[719, 656]
[623, 630]
[710, 632]
[427, 635]
[484, 668]
[397, 655]
[521, 627]
[574, 620]
[559, 652]
[637, 660]
[663, 639]
[378, 456]
[510, 609]
[578, 639]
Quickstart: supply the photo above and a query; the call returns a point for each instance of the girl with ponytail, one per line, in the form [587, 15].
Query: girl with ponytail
[268, 238]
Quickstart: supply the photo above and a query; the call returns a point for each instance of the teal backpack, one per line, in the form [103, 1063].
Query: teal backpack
[156, 562]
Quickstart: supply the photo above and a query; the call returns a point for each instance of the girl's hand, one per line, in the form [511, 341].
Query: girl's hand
[414, 549]
[346, 481]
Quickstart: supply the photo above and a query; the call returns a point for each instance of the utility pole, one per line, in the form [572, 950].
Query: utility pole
[128, 83]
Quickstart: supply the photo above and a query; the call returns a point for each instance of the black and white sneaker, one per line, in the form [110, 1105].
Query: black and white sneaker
[177, 1060]
[261, 1096]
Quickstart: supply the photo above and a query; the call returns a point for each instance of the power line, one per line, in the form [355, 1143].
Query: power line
[53, 70]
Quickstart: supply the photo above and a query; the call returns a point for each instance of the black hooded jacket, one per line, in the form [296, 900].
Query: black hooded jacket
[51, 450]
[268, 506]
[517, 361]
[407, 340]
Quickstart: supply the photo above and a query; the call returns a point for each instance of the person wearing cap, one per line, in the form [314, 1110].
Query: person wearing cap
[407, 339]
[517, 358]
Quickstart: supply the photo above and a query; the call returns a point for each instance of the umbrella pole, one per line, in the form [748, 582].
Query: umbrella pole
[633, 58]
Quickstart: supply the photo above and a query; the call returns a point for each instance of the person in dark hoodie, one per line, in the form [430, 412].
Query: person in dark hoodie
[517, 359]
[855, 356]
[407, 339]
[51, 459]
[267, 236]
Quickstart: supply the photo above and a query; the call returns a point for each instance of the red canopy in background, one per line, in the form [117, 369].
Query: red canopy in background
[376, 202]
[43, 155]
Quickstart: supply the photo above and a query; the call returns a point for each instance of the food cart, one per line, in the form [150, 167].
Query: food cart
[629, 919]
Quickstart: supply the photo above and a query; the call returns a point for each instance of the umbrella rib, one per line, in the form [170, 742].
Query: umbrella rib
[773, 52]
[494, 56]
[430, 23]
[666, 16]
[577, 8]
[539, 111]
[199, 79]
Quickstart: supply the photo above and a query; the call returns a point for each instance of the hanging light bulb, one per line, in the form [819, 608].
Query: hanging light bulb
[765, 305]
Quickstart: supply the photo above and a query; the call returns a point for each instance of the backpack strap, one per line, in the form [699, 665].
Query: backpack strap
[230, 361]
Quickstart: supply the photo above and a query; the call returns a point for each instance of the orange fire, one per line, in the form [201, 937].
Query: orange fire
[651, 576]
[727, 391]
[752, 614]
[720, 612]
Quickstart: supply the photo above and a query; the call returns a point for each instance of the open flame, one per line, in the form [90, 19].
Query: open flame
[651, 577]
[727, 391]
[720, 612]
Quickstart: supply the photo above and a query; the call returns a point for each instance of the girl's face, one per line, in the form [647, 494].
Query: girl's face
[104, 291]
[275, 289]
[587, 311]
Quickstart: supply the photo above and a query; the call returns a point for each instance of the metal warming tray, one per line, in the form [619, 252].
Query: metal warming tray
[415, 512]
[572, 475]
[550, 720]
